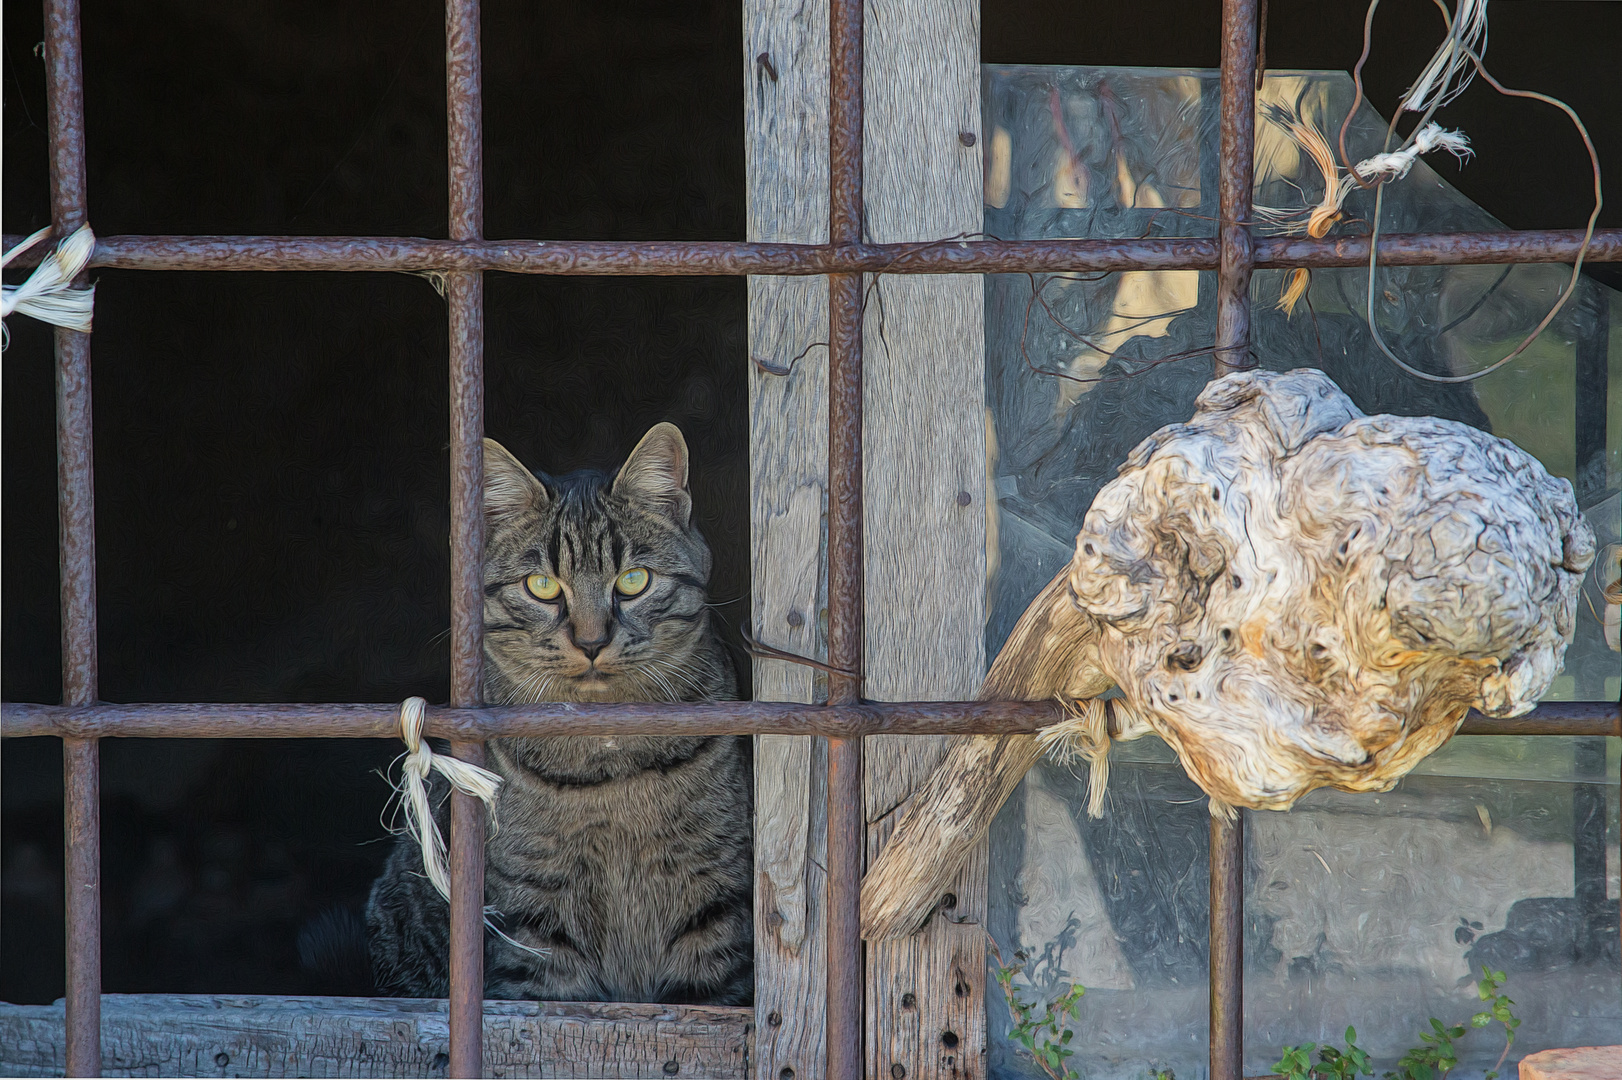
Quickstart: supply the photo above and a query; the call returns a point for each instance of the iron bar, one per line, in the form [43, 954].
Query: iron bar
[846, 805]
[464, 298]
[382, 720]
[732, 258]
[76, 523]
[1227, 947]
[1235, 177]
[1588, 844]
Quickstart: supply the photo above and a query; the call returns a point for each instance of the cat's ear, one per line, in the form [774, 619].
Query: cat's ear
[656, 472]
[508, 486]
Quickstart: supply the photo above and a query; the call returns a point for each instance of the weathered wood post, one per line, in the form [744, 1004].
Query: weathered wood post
[925, 505]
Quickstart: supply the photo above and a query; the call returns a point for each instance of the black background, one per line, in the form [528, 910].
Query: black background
[271, 472]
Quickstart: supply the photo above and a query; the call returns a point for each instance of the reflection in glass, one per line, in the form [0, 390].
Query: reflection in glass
[1361, 909]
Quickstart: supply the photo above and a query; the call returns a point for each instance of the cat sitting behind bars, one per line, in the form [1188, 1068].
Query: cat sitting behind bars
[627, 860]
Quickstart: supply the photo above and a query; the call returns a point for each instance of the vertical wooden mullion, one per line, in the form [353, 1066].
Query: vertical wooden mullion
[926, 505]
[923, 501]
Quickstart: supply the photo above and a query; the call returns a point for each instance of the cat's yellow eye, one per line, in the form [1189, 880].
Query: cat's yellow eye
[543, 586]
[632, 582]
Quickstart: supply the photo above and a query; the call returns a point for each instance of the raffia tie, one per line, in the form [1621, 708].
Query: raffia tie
[1084, 735]
[48, 294]
[469, 779]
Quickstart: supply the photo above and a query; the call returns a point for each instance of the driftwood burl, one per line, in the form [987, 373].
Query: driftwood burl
[1292, 594]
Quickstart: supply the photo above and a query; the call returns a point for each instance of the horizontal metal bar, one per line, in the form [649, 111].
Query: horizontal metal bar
[192, 721]
[710, 258]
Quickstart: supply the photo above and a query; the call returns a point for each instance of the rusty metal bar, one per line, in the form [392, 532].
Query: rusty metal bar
[464, 297]
[382, 721]
[76, 523]
[846, 815]
[727, 258]
[1227, 947]
[1588, 844]
[1235, 176]
[1236, 167]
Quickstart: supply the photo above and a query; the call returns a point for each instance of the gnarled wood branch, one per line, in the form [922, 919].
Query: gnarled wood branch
[1293, 595]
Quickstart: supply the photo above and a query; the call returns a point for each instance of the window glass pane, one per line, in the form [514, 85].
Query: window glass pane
[1362, 909]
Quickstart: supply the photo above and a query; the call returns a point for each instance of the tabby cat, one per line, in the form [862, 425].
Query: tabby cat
[627, 860]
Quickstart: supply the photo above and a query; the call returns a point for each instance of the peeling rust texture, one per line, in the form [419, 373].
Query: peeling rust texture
[1237, 158]
[1237, 154]
[382, 721]
[846, 832]
[464, 297]
[76, 517]
[726, 258]
[1227, 947]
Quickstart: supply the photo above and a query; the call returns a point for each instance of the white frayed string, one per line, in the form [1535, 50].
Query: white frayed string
[420, 825]
[1450, 69]
[48, 295]
[1430, 137]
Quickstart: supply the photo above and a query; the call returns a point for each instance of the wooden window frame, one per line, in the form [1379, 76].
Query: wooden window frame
[814, 1000]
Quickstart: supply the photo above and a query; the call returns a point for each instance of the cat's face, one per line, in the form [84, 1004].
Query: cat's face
[595, 588]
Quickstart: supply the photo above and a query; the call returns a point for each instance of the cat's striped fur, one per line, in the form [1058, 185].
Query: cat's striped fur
[629, 860]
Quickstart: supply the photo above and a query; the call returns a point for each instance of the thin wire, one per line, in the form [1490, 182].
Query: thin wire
[1576, 269]
[771, 652]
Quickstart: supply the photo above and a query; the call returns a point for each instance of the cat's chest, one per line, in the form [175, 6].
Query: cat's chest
[646, 819]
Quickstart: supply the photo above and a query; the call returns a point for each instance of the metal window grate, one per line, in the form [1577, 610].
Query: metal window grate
[80, 721]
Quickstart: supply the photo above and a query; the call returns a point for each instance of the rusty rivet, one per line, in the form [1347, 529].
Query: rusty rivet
[672, 1068]
[796, 619]
[222, 1059]
[966, 138]
[764, 61]
[964, 498]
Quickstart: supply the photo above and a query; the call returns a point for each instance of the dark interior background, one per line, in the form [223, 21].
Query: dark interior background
[271, 448]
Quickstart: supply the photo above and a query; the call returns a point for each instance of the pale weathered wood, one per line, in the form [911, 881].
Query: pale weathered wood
[1293, 595]
[947, 820]
[925, 492]
[203, 1035]
[786, 133]
[925, 489]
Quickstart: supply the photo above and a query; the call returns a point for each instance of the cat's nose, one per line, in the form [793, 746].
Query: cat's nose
[591, 646]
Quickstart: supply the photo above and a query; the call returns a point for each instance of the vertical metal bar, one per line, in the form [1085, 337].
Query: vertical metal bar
[1227, 947]
[845, 564]
[464, 296]
[1592, 386]
[1235, 178]
[76, 513]
[1237, 153]
[1593, 390]
[1588, 844]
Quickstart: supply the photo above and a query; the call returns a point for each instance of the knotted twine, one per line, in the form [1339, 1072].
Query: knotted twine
[1430, 137]
[412, 791]
[1084, 734]
[48, 295]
